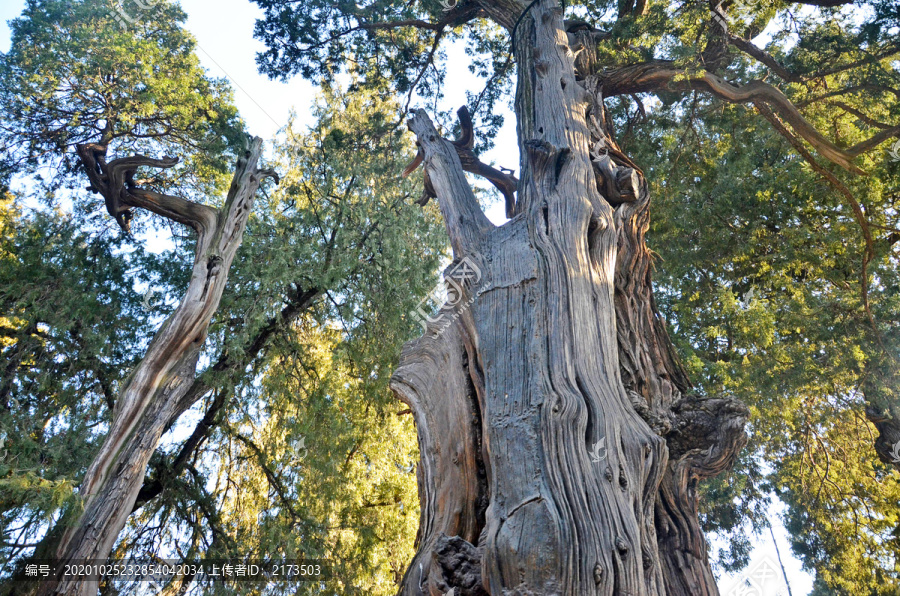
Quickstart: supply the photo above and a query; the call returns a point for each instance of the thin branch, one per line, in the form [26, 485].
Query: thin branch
[789, 76]
[764, 57]
[778, 553]
[429, 60]
[874, 141]
[847, 90]
[858, 212]
[859, 114]
[274, 480]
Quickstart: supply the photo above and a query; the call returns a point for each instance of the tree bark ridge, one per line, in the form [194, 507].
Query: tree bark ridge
[571, 470]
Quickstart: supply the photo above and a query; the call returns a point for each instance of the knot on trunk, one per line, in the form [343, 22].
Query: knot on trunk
[709, 433]
[617, 184]
[460, 564]
[887, 445]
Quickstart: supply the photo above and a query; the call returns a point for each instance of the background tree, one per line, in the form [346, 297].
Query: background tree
[75, 84]
[509, 428]
[152, 393]
[61, 366]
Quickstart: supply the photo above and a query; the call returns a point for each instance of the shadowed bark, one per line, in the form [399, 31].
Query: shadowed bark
[703, 435]
[539, 387]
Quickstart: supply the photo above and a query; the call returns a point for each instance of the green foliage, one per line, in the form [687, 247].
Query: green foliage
[764, 302]
[353, 31]
[320, 40]
[75, 75]
[71, 326]
[310, 457]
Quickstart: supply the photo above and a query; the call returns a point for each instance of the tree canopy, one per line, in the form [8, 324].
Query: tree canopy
[764, 130]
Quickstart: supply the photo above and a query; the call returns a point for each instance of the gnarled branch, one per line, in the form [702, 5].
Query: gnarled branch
[663, 75]
[155, 390]
[506, 183]
[115, 182]
[789, 76]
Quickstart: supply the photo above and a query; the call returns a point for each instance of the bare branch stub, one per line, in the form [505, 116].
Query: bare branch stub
[466, 222]
[506, 183]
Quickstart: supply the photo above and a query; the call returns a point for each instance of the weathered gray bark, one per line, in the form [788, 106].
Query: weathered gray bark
[156, 391]
[886, 418]
[703, 435]
[543, 394]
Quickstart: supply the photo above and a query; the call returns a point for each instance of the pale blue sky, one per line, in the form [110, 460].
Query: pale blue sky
[224, 31]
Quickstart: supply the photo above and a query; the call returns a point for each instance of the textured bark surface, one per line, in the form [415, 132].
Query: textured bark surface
[560, 444]
[886, 418]
[156, 392]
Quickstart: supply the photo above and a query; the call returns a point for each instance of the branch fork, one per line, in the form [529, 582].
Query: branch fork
[503, 179]
[466, 223]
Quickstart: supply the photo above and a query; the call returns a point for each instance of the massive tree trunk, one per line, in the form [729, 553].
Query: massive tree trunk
[560, 444]
[156, 391]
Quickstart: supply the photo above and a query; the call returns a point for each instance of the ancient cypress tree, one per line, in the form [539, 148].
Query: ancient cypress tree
[561, 440]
